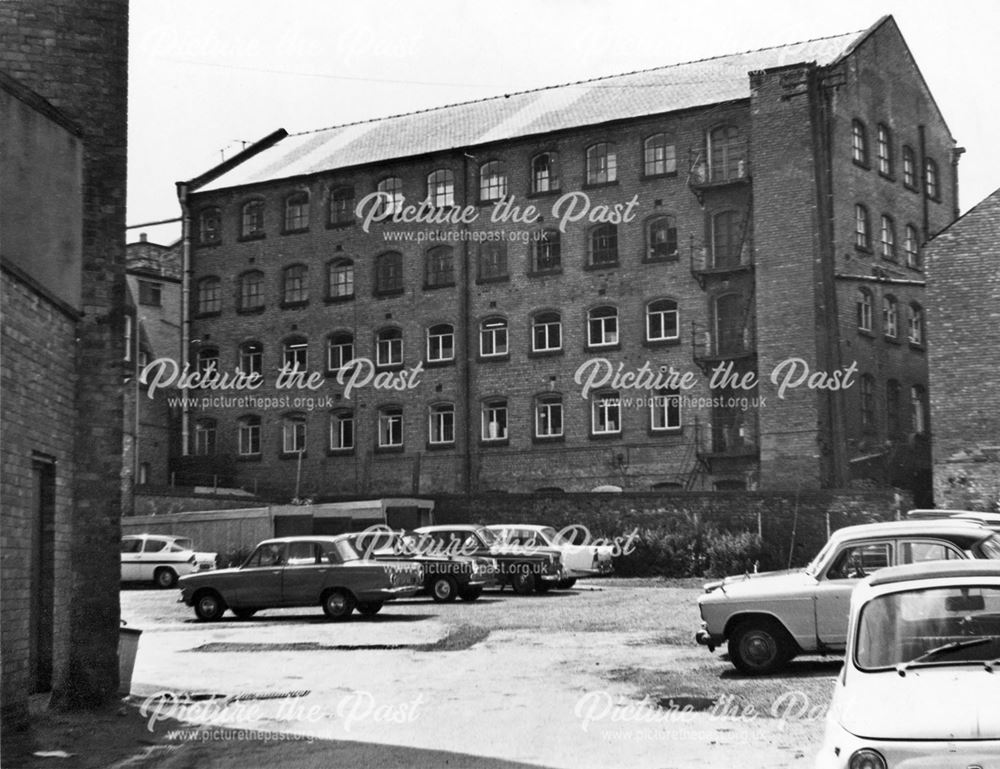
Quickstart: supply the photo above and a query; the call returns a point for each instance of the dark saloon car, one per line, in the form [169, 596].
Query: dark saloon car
[301, 571]
[526, 569]
[446, 577]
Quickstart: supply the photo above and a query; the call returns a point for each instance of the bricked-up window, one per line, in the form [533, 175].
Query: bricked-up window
[659, 155]
[441, 424]
[883, 149]
[339, 350]
[603, 243]
[862, 228]
[207, 360]
[389, 273]
[390, 197]
[727, 240]
[864, 300]
[859, 143]
[492, 262]
[248, 436]
[293, 434]
[602, 327]
[441, 343]
[340, 279]
[150, 293]
[909, 168]
[293, 285]
[602, 163]
[546, 332]
[912, 247]
[441, 188]
[662, 321]
[205, 430]
[866, 390]
[390, 427]
[665, 410]
[890, 316]
[252, 219]
[931, 183]
[661, 238]
[342, 430]
[297, 212]
[606, 414]
[342, 205]
[493, 338]
[209, 226]
[389, 347]
[546, 252]
[209, 296]
[439, 267]
[893, 404]
[916, 324]
[251, 290]
[251, 357]
[887, 238]
[726, 154]
[918, 409]
[545, 172]
[492, 181]
[549, 416]
[494, 426]
[295, 354]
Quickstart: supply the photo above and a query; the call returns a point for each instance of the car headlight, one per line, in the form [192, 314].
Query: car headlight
[866, 758]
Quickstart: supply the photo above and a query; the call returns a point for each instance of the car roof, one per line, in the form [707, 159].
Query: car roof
[302, 538]
[445, 527]
[532, 526]
[927, 527]
[933, 512]
[154, 536]
[935, 570]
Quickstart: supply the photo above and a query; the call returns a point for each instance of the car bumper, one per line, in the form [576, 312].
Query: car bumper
[601, 571]
[704, 638]
[392, 593]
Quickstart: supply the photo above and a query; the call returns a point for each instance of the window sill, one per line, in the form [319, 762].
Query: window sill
[497, 279]
[492, 201]
[863, 249]
[388, 292]
[542, 439]
[435, 286]
[889, 177]
[867, 333]
[917, 346]
[493, 358]
[664, 175]
[669, 258]
[251, 236]
[389, 366]
[546, 353]
[440, 446]
[294, 305]
[389, 449]
[599, 185]
[861, 164]
[543, 193]
[664, 432]
[891, 339]
[439, 363]
[339, 225]
[249, 457]
[338, 299]
[911, 187]
[605, 436]
[494, 443]
[658, 343]
[602, 347]
[347, 452]
[591, 267]
[212, 314]
[209, 243]
[891, 259]
[251, 310]
[292, 454]
[296, 231]
[544, 273]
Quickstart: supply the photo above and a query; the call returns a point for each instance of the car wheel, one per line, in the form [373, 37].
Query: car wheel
[370, 608]
[541, 586]
[165, 578]
[566, 584]
[244, 613]
[338, 604]
[759, 646]
[470, 593]
[444, 589]
[209, 606]
[523, 583]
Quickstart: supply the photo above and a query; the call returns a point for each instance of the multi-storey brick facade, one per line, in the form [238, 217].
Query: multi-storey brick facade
[733, 246]
[963, 264]
[63, 331]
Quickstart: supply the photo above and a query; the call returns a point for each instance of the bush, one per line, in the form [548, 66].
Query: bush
[729, 553]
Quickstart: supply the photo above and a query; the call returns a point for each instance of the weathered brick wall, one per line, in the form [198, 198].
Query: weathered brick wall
[74, 53]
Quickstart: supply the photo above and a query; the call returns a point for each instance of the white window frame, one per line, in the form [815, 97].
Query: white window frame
[890, 317]
[338, 421]
[344, 351]
[441, 188]
[389, 350]
[390, 426]
[916, 325]
[441, 424]
[292, 351]
[490, 411]
[545, 407]
[391, 199]
[887, 237]
[605, 406]
[608, 325]
[251, 361]
[436, 343]
[865, 310]
[660, 316]
[601, 163]
[495, 330]
[664, 405]
[340, 279]
[660, 157]
[205, 437]
[543, 323]
[248, 436]
[492, 181]
[294, 431]
[297, 211]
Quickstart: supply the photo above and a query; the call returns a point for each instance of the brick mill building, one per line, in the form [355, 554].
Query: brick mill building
[964, 266]
[723, 216]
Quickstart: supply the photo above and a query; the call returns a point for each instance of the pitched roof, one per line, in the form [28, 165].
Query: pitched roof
[590, 102]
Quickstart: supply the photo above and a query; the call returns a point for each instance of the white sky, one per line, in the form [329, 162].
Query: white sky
[206, 76]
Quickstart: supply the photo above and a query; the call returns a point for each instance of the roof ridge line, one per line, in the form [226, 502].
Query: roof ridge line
[568, 84]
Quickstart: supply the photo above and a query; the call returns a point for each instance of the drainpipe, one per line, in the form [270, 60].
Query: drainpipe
[182, 197]
[466, 321]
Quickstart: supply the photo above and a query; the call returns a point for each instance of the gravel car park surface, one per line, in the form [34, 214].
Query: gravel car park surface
[603, 675]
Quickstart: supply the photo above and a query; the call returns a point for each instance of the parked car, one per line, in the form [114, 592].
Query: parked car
[161, 558]
[525, 570]
[767, 619]
[921, 682]
[446, 577]
[579, 560]
[301, 571]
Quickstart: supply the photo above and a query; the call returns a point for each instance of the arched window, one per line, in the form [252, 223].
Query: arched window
[931, 182]
[207, 360]
[659, 155]
[727, 243]
[662, 322]
[251, 290]
[441, 188]
[890, 316]
[606, 414]
[661, 238]
[390, 197]
[248, 436]
[729, 316]
[864, 303]
[251, 357]
[862, 230]
[546, 252]
[494, 419]
[339, 350]
[294, 289]
[909, 168]
[545, 172]
[389, 273]
[340, 279]
[918, 409]
[293, 434]
[389, 347]
[441, 343]
[204, 436]
[602, 327]
[342, 205]
[252, 219]
[916, 324]
[492, 181]
[342, 430]
[549, 415]
[439, 267]
[887, 238]
[492, 260]
[912, 247]
[441, 424]
[390, 427]
[726, 154]
[493, 338]
[209, 226]
[603, 243]
[859, 143]
[295, 353]
[209, 296]
[546, 332]
[866, 391]
[883, 149]
[297, 211]
[602, 163]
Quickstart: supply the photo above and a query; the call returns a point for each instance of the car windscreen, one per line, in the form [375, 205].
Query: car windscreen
[990, 547]
[817, 562]
[184, 544]
[344, 551]
[932, 626]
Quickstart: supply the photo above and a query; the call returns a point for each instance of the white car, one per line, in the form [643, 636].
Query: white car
[579, 560]
[161, 558]
[921, 683]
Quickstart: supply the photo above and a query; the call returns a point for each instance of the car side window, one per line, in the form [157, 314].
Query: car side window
[131, 545]
[858, 561]
[154, 545]
[268, 555]
[329, 554]
[303, 554]
[911, 551]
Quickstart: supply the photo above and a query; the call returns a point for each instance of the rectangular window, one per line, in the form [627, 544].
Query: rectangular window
[495, 421]
[442, 425]
[440, 344]
[342, 431]
[493, 338]
[249, 438]
[293, 435]
[549, 418]
[150, 293]
[606, 415]
[665, 411]
[342, 206]
[546, 334]
[390, 428]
